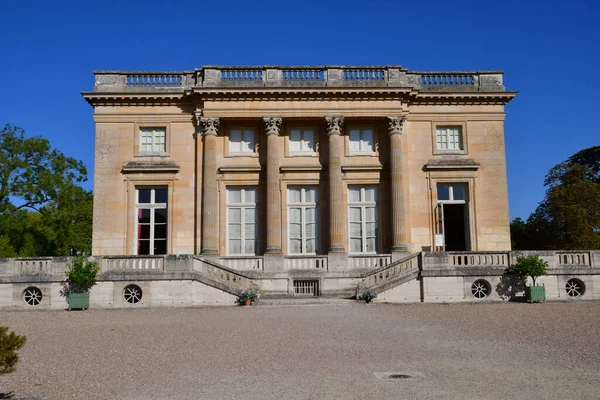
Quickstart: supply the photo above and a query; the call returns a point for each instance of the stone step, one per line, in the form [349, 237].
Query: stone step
[303, 301]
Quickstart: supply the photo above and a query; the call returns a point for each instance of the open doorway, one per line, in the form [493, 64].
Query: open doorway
[453, 225]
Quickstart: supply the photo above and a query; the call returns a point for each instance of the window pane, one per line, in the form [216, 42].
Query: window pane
[249, 246]
[354, 140]
[143, 231]
[367, 141]
[443, 192]
[160, 195]
[310, 214]
[250, 214]
[160, 231]
[160, 247]
[371, 245]
[235, 140]
[295, 138]
[295, 230]
[354, 194]
[143, 247]
[311, 230]
[235, 246]
[249, 231]
[294, 195]
[144, 196]
[310, 195]
[354, 214]
[235, 231]
[250, 196]
[247, 146]
[370, 194]
[235, 215]
[370, 214]
[295, 246]
[308, 141]
[355, 229]
[144, 215]
[371, 228]
[355, 245]
[234, 196]
[295, 215]
[459, 192]
[311, 246]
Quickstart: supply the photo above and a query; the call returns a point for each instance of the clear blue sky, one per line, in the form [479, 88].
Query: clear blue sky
[550, 52]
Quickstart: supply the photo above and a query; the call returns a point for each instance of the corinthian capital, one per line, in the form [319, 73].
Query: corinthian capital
[272, 125]
[395, 125]
[210, 125]
[334, 125]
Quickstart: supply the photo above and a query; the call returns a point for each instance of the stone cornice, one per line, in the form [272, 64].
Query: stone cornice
[150, 167]
[451, 164]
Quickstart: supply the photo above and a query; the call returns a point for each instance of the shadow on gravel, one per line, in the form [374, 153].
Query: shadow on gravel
[8, 395]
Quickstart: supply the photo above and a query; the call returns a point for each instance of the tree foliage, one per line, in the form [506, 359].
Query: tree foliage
[10, 343]
[569, 216]
[43, 212]
[532, 266]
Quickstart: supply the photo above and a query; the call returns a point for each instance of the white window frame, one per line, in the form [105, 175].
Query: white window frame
[451, 199]
[242, 206]
[303, 205]
[155, 134]
[303, 144]
[241, 147]
[151, 206]
[363, 147]
[363, 205]
[446, 132]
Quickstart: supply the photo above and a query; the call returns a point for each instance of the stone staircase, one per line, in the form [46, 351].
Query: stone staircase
[392, 275]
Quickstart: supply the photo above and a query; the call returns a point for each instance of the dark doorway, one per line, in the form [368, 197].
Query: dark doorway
[455, 227]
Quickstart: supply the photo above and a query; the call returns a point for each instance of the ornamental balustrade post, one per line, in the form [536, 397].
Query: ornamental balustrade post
[401, 237]
[210, 238]
[337, 257]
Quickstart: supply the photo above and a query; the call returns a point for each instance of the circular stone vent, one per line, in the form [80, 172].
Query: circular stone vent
[480, 289]
[32, 296]
[132, 294]
[575, 288]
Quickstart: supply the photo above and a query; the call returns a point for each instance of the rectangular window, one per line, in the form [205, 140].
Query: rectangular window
[302, 141]
[241, 141]
[153, 140]
[363, 220]
[241, 221]
[302, 220]
[452, 192]
[151, 212]
[361, 141]
[449, 138]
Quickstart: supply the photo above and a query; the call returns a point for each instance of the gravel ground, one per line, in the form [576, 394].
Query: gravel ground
[460, 351]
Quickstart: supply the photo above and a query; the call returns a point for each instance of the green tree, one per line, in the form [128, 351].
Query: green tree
[10, 343]
[569, 216]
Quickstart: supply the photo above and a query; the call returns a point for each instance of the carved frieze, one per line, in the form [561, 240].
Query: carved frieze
[272, 125]
[334, 125]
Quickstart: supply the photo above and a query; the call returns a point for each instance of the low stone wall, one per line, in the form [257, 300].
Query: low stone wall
[186, 280]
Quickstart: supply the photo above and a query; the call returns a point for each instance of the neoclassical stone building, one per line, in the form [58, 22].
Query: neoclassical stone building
[291, 168]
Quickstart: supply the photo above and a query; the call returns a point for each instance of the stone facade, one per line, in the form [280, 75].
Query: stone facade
[403, 133]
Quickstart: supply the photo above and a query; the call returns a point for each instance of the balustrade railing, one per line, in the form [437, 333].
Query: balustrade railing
[141, 264]
[393, 271]
[374, 261]
[243, 264]
[222, 274]
[439, 79]
[574, 258]
[242, 75]
[154, 80]
[304, 75]
[34, 266]
[305, 262]
[364, 74]
[477, 259]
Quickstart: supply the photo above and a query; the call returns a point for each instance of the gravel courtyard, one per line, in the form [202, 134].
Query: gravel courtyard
[330, 351]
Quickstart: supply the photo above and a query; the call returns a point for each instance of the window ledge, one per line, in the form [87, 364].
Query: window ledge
[242, 154]
[451, 164]
[287, 168]
[152, 154]
[363, 154]
[149, 166]
[449, 152]
[361, 168]
[247, 168]
[302, 154]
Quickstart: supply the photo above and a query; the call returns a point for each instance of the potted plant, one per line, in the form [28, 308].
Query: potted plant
[367, 295]
[248, 296]
[81, 276]
[534, 267]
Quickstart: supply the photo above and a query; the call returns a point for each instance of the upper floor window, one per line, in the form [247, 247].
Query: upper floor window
[302, 212]
[241, 141]
[449, 138]
[241, 221]
[151, 210]
[361, 141]
[363, 221]
[153, 140]
[302, 141]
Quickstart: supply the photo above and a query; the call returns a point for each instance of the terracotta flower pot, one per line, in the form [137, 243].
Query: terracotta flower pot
[248, 302]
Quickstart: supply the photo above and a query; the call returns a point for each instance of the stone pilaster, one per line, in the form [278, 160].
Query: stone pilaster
[273, 253]
[337, 252]
[401, 240]
[198, 183]
[210, 236]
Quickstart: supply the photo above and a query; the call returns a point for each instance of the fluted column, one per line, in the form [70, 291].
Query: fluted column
[272, 128]
[336, 204]
[401, 240]
[210, 229]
